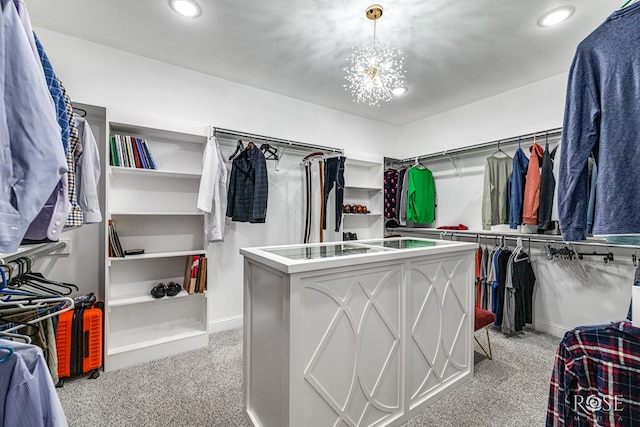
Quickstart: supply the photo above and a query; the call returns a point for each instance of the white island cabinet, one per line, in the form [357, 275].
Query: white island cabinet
[361, 333]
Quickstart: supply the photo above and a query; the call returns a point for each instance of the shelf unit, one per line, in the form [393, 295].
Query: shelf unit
[154, 210]
[364, 186]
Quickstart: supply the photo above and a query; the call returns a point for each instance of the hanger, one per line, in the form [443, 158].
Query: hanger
[8, 356]
[24, 338]
[80, 111]
[7, 320]
[627, 3]
[546, 142]
[499, 150]
[35, 283]
[30, 301]
[309, 157]
[39, 282]
[270, 153]
[42, 303]
[239, 150]
[606, 257]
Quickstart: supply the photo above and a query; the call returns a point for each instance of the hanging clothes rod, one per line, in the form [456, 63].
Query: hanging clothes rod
[551, 239]
[500, 143]
[214, 131]
[33, 253]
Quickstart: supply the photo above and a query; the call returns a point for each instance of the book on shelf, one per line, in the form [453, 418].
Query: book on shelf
[127, 145]
[143, 159]
[136, 154]
[152, 162]
[203, 275]
[113, 160]
[198, 276]
[123, 152]
[195, 274]
[130, 152]
[115, 248]
[187, 273]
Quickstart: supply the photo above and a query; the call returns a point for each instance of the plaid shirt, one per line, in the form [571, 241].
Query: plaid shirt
[56, 94]
[74, 151]
[596, 377]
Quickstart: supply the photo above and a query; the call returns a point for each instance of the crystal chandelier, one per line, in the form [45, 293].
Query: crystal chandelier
[374, 71]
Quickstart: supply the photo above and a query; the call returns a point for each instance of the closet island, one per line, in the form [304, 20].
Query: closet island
[355, 333]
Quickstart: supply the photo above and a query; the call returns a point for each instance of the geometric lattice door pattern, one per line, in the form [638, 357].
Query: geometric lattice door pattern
[439, 327]
[351, 347]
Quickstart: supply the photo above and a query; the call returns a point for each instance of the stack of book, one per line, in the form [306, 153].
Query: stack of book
[115, 248]
[195, 274]
[130, 152]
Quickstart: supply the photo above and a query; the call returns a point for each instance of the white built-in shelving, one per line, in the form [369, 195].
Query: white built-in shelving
[154, 210]
[364, 186]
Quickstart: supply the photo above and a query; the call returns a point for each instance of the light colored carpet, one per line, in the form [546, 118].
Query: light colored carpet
[204, 388]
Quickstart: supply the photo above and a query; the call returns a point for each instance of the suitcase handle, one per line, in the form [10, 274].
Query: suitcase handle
[86, 344]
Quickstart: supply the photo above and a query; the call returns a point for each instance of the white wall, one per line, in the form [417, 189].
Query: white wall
[534, 107]
[150, 93]
[155, 94]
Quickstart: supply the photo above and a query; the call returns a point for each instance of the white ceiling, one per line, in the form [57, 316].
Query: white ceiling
[456, 52]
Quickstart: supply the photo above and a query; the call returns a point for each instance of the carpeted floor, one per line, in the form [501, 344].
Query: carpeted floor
[204, 388]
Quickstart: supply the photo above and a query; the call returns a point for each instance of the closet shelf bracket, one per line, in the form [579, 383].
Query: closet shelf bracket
[454, 162]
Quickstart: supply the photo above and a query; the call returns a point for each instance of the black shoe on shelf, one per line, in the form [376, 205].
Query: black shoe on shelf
[173, 289]
[159, 290]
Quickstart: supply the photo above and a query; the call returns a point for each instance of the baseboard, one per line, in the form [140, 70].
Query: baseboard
[551, 328]
[224, 324]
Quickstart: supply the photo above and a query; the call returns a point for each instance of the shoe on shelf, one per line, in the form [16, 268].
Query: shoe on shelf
[173, 289]
[159, 290]
[346, 209]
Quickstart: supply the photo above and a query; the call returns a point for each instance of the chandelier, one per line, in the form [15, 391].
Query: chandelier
[375, 71]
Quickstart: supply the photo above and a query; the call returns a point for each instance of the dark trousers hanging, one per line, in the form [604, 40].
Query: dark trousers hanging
[307, 225]
[333, 173]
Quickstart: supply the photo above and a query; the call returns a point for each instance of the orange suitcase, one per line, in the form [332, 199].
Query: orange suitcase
[79, 341]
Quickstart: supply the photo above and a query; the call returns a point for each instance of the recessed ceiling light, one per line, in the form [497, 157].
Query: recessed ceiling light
[556, 16]
[188, 8]
[399, 91]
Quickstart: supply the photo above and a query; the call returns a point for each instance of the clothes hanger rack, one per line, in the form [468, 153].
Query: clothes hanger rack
[33, 253]
[500, 237]
[229, 134]
[553, 135]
